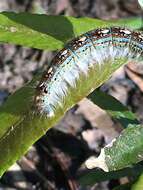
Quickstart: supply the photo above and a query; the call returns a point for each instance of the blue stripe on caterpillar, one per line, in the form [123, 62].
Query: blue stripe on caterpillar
[78, 57]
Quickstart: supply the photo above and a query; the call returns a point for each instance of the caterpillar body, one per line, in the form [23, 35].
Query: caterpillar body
[83, 58]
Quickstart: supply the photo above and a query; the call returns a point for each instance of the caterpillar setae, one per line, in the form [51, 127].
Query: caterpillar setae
[85, 63]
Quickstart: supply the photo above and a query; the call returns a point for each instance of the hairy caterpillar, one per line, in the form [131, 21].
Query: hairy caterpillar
[87, 56]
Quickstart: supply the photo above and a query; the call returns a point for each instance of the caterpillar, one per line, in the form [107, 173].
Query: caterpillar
[84, 63]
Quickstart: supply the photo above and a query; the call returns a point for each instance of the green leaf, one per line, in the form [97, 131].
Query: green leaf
[19, 127]
[123, 187]
[138, 185]
[50, 32]
[127, 149]
[94, 176]
[120, 113]
[113, 107]
[122, 152]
